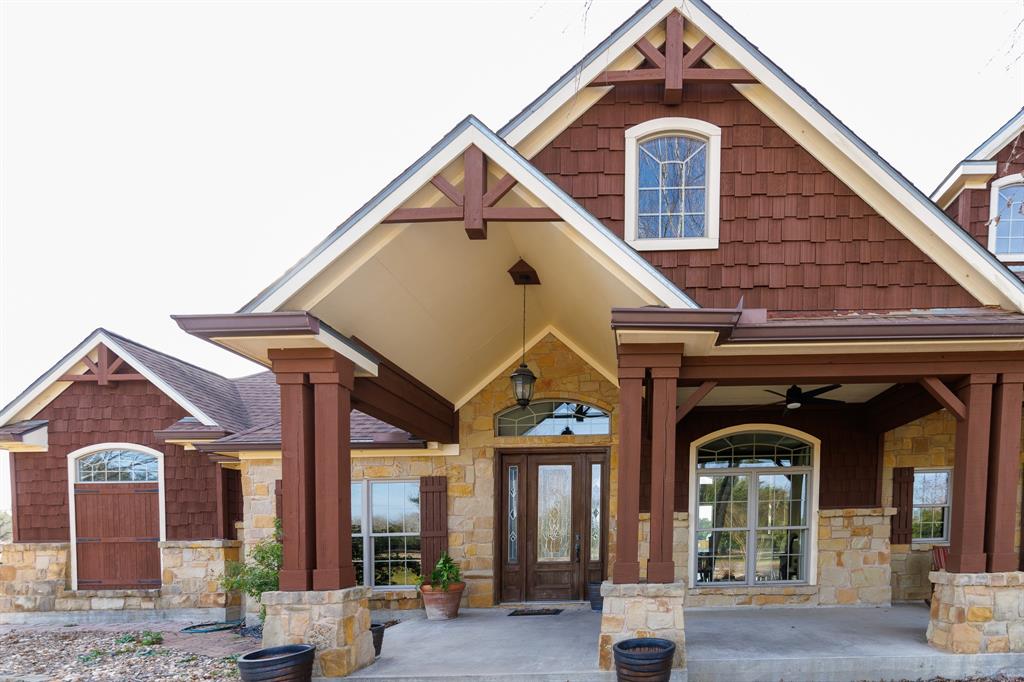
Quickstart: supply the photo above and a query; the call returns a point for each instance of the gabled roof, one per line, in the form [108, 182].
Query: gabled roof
[468, 132]
[365, 431]
[942, 239]
[980, 166]
[999, 139]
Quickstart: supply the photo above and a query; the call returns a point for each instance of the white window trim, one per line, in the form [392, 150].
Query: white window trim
[946, 519]
[73, 458]
[812, 517]
[685, 126]
[993, 211]
[367, 533]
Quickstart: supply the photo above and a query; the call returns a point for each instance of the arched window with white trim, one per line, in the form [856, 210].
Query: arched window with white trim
[1006, 223]
[672, 184]
[753, 507]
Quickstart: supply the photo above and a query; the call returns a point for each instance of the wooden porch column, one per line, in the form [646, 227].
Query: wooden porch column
[627, 558]
[660, 568]
[1004, 471]
[297, 472]
[970, 476]
[332, 393]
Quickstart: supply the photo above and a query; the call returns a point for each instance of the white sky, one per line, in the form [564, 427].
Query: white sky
[164, 158]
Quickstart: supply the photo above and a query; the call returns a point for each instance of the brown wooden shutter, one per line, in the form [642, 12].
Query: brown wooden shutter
[433, 520]
[278, 505]
[903, 500]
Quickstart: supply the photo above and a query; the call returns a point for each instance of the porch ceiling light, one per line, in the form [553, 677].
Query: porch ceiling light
[523, 379]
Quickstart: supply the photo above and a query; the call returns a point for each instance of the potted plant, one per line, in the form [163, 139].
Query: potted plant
[442, 591]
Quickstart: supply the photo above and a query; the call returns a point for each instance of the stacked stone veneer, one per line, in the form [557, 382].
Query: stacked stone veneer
[35, 578]
[644, 610]
[336, 622]
[258, 510]
[926, 442]
[680, 543]
[853, 556]
[977, 612]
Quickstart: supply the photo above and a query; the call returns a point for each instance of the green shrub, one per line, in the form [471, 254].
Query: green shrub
[445, 573]
[150, 638]
[259, 573]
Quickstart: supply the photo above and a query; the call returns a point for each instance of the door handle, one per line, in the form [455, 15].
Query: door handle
[577, 548]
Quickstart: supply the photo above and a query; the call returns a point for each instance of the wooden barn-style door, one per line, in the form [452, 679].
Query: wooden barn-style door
[117, 520]
[554, 523]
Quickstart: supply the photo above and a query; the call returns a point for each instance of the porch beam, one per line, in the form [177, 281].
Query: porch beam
[970, 477]
[1004, 472]
[694, 399]
[944, 397]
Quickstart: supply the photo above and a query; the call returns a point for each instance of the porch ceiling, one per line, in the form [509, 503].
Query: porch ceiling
[758, 395]
[444, 308]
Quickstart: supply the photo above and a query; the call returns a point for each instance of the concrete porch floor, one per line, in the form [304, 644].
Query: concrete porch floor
[735, 645]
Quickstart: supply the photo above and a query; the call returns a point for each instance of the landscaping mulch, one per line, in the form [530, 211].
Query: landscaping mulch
[78, 655]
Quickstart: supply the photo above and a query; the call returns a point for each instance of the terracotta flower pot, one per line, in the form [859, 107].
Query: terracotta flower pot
[442, 604]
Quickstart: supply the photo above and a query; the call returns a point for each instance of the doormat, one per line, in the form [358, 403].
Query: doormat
[536, 612]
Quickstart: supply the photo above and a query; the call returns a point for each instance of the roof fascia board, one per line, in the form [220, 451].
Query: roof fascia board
[65, 364]
[969, 174]
[472, 131]
[999, 139]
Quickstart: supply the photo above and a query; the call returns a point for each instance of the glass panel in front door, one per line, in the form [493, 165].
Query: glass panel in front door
[595, 512]
[554, 512]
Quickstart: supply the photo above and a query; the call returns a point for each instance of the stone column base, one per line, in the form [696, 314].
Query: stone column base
[336, 622]
[644, 610]
[977, 612]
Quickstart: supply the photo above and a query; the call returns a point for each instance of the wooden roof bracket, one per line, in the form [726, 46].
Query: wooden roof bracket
[674, 66]
[945, 397]
[474, 204]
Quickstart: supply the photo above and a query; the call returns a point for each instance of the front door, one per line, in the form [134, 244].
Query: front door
[554, 524]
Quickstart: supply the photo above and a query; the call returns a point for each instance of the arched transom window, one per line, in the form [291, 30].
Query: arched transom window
[552, 418]
[117, 466]
[753, 509]
[1006, 238]
[672, 184]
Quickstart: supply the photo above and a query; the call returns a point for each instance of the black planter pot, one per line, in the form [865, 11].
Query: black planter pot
[594, 595]
[377, 630]
[291, 663]
[644, 659]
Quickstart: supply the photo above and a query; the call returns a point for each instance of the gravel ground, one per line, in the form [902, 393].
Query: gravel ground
[80, 655]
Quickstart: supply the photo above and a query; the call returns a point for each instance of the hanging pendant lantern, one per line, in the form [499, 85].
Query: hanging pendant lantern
[523, 379]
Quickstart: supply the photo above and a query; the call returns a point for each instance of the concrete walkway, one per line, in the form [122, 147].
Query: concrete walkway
[723, 645]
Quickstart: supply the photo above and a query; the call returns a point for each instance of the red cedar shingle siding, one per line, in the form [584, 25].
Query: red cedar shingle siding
[850, 462]
[793, 237]
[87, 414]
[1010, 160]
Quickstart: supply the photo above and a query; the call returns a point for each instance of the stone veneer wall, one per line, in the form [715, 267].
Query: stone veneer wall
[36, 578]
[977, 612]
[645, 610]
[336, 622]
[680, 543]
[853, 556]
[258, 512]
[926, 442]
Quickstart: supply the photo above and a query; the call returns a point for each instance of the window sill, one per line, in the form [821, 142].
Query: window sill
[765, 588]
[674, 244]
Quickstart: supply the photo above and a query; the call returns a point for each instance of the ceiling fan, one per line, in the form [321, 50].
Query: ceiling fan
[795, 397]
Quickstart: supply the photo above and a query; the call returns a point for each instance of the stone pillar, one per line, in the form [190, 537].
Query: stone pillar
[644, 610]
[333, 403]
[1003, 473]
[977, 612]
[970, 477]
[627, 563]
[336, 622]
[660, 567]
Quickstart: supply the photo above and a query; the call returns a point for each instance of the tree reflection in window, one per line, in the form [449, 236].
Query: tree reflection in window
[117, 466]
[553, 418]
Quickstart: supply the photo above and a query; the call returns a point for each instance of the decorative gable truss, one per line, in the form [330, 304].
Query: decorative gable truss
[104, 371]
[474, 204]
[675, 65]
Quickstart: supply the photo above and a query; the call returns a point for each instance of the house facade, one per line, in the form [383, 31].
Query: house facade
[766, 369]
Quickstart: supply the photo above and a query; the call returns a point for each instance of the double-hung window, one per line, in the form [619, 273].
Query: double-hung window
[386, 533]
[930, 516]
